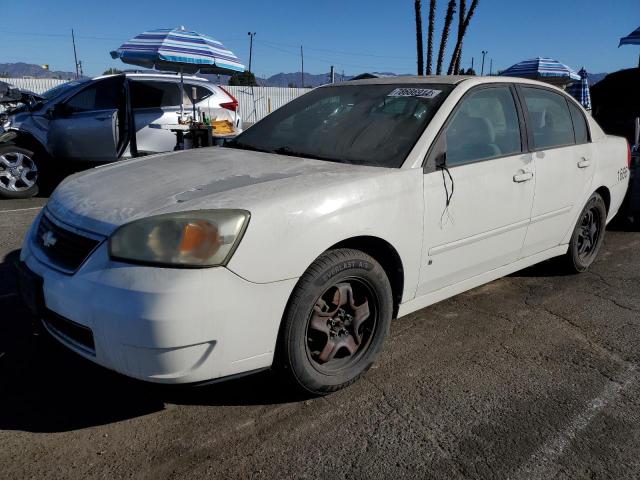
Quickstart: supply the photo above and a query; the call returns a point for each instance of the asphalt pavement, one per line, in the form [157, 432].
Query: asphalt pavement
[533, 376]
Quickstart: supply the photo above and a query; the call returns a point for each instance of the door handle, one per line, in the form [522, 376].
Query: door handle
[584, 163]
[522, 177]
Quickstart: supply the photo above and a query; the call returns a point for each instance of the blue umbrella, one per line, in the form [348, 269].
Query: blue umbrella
[545, 69]
[632, 39]
[178, 50]
[580, 90]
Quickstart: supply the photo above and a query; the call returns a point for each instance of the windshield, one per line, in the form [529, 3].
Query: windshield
[374, 125]
[63, 88]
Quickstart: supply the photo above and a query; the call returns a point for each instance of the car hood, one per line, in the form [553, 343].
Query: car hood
[104, 198]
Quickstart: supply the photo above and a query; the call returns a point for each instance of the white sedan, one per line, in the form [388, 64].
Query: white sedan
[295, 247]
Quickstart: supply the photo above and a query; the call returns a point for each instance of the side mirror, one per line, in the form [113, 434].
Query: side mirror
[437, 157]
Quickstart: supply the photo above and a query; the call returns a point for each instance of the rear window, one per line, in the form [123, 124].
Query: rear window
[197, 93]
[151, 94]
[549, 118]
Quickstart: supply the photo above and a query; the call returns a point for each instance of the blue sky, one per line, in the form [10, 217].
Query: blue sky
[353, 35]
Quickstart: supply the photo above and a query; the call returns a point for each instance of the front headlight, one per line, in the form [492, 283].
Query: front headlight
[201, 238]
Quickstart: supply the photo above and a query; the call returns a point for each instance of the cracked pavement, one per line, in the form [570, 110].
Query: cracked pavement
[531, 376]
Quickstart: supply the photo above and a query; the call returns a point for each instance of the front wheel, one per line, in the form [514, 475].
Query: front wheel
[336, 321]
[588, 235]
[18, 172]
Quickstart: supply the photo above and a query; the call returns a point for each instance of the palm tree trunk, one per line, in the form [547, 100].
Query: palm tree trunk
[462, 12]
[419, 46]
[432, 26]
[457, 53]
[451, 9]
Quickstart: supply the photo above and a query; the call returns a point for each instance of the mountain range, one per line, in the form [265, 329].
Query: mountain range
[278, 80]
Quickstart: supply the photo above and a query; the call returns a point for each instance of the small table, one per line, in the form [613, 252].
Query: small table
[201, 135]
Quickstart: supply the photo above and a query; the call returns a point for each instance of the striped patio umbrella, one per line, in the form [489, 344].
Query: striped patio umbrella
[544, 69]
[580, 90]
[632, 39]
[178, 50]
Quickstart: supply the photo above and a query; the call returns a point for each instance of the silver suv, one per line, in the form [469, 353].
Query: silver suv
[92, 120]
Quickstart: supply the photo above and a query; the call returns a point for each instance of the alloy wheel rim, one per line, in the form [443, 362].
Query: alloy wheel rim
[18, 172]
[589, 233]
[341, 326]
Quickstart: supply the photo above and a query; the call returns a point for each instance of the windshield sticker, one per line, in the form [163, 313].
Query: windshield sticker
[415, 92]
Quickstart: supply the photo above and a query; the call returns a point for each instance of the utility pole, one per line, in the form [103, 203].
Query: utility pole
[302, 74]
[491, 67]
[332, 75]
[80, 67]
[75, 55]
[472, 60]
[251, 35]
[484, 54]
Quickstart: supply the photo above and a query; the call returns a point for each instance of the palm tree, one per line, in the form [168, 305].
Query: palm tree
[432, 24]
[462, 31]
[418, 5]
[451, 10]
[453, 66]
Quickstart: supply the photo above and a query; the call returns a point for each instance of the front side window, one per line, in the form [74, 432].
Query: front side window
[485, 125]
[153, 94]
[549, 118]
[103, 95]
[375, 125]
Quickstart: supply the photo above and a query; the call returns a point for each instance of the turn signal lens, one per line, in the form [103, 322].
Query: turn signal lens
[192, 239]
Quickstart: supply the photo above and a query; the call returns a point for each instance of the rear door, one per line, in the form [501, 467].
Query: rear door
[477, 205]
[92, 124]
[564, 164]
[154, 103]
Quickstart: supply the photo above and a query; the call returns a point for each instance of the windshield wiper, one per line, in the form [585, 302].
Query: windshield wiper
[293, 153]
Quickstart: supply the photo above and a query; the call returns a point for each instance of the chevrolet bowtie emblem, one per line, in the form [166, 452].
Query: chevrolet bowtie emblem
[49, 239]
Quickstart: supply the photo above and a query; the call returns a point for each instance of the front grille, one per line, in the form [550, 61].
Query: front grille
[64, 248]
[73, 331]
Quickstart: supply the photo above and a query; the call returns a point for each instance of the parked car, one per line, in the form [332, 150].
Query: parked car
[616, 107]
[90, 121]
[296, 246]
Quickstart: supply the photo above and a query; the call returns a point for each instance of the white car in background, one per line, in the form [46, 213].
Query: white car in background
[91, 121]
[295, 248]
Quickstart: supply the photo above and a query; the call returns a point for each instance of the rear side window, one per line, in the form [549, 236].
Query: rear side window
[549, 118]
[150, 94]
[484, 126]
[579, 124]
[201, 93]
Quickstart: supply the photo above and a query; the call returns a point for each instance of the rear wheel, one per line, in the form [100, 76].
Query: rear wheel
[19, 173]
[588, 235]
[336, 321]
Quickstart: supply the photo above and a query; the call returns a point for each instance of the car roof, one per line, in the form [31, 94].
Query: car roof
[159, 76]
[442, 79]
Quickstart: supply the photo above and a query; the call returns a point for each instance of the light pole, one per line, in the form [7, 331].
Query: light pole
[251, 35]
[484, 54]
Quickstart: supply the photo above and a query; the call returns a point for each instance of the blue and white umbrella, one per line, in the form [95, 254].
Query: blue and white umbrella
[632, 39]
[545, 69]
[177, 50]
[580, 90]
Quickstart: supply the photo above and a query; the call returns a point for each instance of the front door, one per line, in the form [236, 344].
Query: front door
[478, 202]
[564, 163]
[92, 124]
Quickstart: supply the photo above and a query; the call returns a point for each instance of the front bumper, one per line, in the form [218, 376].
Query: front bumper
[163, 325]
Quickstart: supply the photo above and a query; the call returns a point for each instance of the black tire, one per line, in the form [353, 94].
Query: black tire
[317, 335]
[11, 154]
[587, 236]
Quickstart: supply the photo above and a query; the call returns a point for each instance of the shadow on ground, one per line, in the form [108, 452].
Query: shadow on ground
[46, 388]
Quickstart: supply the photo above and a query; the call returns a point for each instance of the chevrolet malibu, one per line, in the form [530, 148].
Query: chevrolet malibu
[294, 247]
